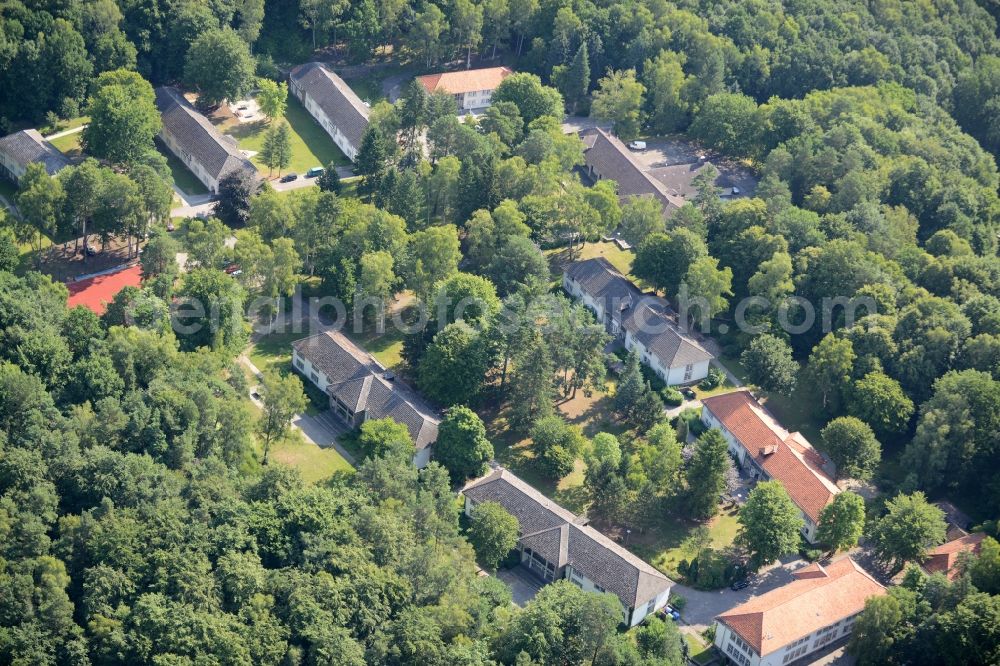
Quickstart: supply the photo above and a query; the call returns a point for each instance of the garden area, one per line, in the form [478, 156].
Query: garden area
[673, 540]
[312, 462]
[68, 144]
[311, 145]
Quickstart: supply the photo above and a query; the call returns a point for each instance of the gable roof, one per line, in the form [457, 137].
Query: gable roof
[356, 379]
[944, 558]
[678, 179]
[786, 457]
[646, 316]
[465, 81]
[613, 160]
[817, 598]
[560, 537]
[28, 146]
[339, 102]
[217, 153]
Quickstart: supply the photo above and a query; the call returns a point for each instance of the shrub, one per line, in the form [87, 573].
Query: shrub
[672, 397]
[714, 378]
[677, 601]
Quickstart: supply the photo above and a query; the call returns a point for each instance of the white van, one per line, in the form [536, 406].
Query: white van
[637, 145]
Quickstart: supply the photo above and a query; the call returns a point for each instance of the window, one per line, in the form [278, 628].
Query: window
[688, 372]
[314, 377]
[298, 363]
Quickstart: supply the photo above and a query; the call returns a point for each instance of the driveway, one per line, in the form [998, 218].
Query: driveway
[523, 585]
[702, 606]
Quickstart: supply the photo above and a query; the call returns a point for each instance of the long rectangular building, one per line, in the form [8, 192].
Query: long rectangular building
[767, 451]
[785, 625]
[20, 149]
[208, 153]
[333, 104]
[556, 544]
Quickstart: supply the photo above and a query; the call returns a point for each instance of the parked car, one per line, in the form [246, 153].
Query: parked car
[670, 612]
[740, 584]
[637, 145]
[314, 172]
[688, 393]
[170, 226]
[289, 177]
[91, 251]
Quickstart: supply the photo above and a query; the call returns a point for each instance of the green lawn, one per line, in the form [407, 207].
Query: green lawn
[699, 650]
[64, 125]
[621, 259]
[664, 546]
[69, 144]
[311, 145]
[182, 177]
[312, 462]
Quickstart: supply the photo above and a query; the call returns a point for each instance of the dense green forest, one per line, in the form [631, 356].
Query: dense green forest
[140, 525]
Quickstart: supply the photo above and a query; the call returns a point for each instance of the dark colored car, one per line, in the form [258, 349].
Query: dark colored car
[740, 584]
[289, 177]
[688, 393]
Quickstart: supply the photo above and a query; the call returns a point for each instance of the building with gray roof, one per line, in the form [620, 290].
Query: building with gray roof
[554, 544]
[333, 104]
[642, 322]
[206, 152]
[20, 149]
[360, 388]
[605, 156]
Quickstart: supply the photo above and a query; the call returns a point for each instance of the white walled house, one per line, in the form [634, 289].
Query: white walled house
[333, 104]
[206, 152]
[791, 622]
[643, 323]
[556, 544]
[766, 451]
[472, 88]
[20, 149]
[361, 389]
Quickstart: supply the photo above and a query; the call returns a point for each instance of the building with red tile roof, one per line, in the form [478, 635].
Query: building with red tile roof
[767, 451]
[792, 621]
[472, 88]
[96, 292]
[944, 558]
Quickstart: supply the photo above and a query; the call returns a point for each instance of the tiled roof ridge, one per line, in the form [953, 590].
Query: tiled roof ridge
[639, 166]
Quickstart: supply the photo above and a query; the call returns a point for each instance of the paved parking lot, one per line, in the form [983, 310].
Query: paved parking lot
[523, 585]
[702, 606]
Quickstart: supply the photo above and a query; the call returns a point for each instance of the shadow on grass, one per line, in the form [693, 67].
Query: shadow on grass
[313, 135]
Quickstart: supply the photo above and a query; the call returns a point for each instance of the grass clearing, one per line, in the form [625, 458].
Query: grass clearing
[182, 177]
[700, 651]
[665, 545]
[69, 144]
[312, 462]
[311, 145]
[621, 259]
[63, 125]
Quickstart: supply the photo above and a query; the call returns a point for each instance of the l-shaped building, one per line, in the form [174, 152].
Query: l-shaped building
[643, 323]
[556, 544]
[360, 388]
